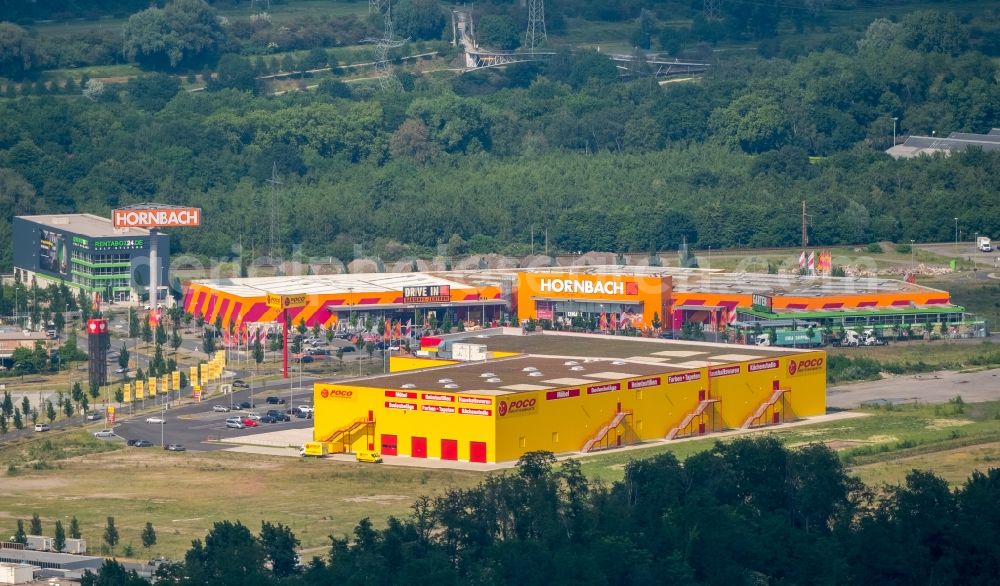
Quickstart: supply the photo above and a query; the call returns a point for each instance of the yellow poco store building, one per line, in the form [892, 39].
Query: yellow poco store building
[607, 392]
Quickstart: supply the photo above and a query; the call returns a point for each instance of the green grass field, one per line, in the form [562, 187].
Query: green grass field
[70, 473]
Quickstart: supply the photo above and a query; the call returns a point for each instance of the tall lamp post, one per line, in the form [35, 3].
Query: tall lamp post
[956, 235]
[163, 423]
[894, 119]
[913, 267]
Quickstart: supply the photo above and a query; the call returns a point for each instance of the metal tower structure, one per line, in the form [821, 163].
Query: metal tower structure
[712, 9]
[273, 211]
[383, 69]
[536, 24]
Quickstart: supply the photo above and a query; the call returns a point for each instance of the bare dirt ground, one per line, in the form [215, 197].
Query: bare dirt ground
[935, 387]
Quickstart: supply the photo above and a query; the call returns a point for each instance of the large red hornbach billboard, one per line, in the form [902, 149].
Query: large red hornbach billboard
[165, 217]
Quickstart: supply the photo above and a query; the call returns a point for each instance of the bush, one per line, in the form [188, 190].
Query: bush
[875, 248]
[904, 248]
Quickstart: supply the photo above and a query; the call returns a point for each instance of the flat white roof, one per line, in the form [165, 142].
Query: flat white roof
[85, 225]
[340, 284]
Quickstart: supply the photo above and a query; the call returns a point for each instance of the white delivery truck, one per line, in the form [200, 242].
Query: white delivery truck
[983, 244]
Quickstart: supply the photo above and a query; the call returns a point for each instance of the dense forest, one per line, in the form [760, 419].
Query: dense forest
[746, 512]
[482, 160]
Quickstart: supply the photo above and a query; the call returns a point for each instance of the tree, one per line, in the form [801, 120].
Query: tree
[230, 555]
[753, 122]
[94, 390]
[36, 524]
[233, 72]
[20, 536]
[370, 348]
[498, 32]
[112, 573]
[93, 91]
[18, 422]
[3, 424]
[123, 357]
[160, 333]
[133, 323]
[74, 528]
[18, 51]
[59, 540]
[148, 536]
[25, 405]
[411, 139]
[50, 411]
[147, 332]
[8, 404]
[208, 342]
[175, 340]
[418, 19]
[258, 352]
[183, 33]
[111, 535]
[279, 544]
[67, 407]
[152, 92]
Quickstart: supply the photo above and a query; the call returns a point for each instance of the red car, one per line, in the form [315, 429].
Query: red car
[249, 422]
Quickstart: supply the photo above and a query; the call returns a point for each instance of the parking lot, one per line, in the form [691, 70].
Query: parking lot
[198, 427]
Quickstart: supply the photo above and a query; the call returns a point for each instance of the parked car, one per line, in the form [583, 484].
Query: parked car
[249, 422]
[245, 405]
[267, 419]
[275, 401]
[121, 370]
[158, 420]
[142, 443]
[348, 348]
[95, 416]
[235, 423]
[104, 433]
[175, 448]
[303, 414]
[318, 352]
[240, 384]
[42, 427]
[306, 359]
[306, 408]
[220, 408]
[278, 415]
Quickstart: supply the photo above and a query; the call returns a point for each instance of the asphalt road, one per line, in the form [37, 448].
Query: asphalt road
[934, 387]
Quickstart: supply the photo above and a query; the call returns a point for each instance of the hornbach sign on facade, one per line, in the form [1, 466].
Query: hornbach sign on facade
[156, 218]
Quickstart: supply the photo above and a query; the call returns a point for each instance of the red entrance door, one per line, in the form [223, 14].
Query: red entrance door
[418, 447]
[389, 445]
[449, 449]
[477, 452]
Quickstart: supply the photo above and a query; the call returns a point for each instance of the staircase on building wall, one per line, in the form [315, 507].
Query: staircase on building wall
[338, 436]
[776, 396]
[702, 406]
[604, 431]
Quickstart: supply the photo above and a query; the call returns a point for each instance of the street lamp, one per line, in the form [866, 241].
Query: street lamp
[163, 422]
[894, 119]
[956, 235]
[913, 267]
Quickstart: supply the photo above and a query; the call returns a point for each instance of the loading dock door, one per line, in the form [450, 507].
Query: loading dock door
[477, 452]
[418, 447]
[389, 445]
[449, 449]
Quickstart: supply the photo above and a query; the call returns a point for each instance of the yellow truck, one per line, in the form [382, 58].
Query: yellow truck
[314, 449]
[370, 457]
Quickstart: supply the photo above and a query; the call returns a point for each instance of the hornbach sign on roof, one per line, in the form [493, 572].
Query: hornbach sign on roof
[156, 218]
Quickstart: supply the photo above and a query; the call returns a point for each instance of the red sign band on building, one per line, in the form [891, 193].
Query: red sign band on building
[644, 382]
[598, 389]
[437, 408]
[400, 395]
[398, 405]
[475, 400]
[436, 397]
[767, 365]
[683, 377]
[156, 218]
[563, 394]
[467, 411]
[724, 371]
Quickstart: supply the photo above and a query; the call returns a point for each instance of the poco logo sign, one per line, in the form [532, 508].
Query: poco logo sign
[574, 286]
[517, 406]
[800, 365]
[336, 394]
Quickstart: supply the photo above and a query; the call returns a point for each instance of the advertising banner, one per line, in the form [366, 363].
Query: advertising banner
[53, 255]
[427, 294]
